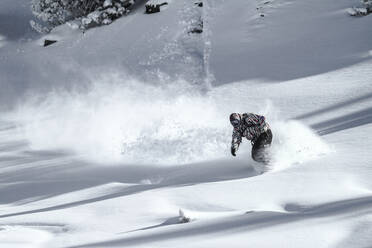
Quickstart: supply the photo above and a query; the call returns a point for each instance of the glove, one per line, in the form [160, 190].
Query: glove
[264, 128]
[233, 151]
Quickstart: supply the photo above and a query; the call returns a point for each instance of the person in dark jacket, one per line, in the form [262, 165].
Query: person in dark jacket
[255, 128]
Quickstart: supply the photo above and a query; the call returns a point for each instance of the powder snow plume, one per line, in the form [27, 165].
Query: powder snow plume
[293, 142]
[122, 119]
[126, 120]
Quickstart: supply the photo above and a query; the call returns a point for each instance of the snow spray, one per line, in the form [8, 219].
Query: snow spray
[121, 119]
[293, 142]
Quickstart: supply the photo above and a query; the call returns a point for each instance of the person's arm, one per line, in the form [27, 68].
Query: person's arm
[236, 140]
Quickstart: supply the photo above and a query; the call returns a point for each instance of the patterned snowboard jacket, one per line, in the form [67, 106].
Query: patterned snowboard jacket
[251, 127]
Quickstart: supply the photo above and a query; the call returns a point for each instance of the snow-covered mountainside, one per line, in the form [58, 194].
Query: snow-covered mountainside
[119, 136]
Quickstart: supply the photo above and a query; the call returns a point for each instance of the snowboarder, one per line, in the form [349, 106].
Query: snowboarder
[254, 128]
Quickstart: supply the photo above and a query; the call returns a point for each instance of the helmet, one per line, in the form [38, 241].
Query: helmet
[235, 119]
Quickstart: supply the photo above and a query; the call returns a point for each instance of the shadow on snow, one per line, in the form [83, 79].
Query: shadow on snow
[355, 119]
[28, 176]
[245, 223]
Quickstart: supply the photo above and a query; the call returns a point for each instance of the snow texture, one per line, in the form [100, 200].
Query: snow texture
[119, 136]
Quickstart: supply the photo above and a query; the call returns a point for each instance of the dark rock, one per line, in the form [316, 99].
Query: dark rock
[154, 8]
[150, 9]
[359, 11]
[199, 4]
[49, 42]
[183, 218]
[198, 29]
[127, 4]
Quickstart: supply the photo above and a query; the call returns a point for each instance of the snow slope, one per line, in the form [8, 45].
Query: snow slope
[106, 135]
